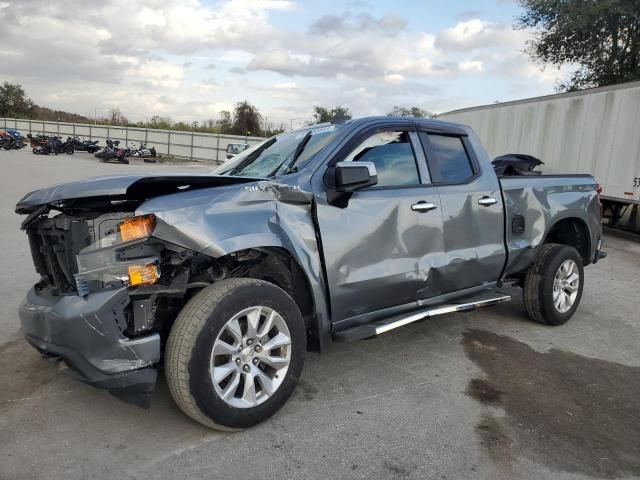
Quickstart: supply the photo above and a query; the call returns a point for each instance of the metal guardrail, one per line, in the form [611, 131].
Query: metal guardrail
[190, 145]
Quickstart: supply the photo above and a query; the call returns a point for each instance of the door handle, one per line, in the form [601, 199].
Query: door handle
[423, 206]
[487, 201]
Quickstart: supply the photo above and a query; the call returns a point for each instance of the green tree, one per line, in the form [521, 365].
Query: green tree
[416, 112]
[246, 119]
[225, 124]
[14, 102]
[163, 123]
[602, 37]
[323, 114]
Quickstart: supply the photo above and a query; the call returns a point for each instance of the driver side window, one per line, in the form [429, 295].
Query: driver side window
[392, 154]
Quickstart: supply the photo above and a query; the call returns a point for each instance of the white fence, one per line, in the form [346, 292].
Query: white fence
[190, 145]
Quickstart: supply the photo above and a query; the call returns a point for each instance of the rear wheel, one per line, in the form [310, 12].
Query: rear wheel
[553, 285]
[235, 353]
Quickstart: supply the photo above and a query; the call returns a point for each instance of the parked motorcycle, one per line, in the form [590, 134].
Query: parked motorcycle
[112, 153]
[56, 146]
[11, 139]
[90, 146]
[37, 140]
[109, 147]
[122, 154]
[144, 152]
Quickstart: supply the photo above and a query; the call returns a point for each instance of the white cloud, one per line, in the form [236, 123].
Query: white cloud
[478, 34]
[191, 58]
[286, 86]
[394, 78]
[470, 66]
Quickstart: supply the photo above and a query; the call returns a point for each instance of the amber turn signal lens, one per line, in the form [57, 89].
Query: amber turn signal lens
[143, 274]
[137, 227]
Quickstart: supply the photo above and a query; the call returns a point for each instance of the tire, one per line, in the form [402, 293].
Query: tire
[69, 150]
[547, 300]
[203, 322]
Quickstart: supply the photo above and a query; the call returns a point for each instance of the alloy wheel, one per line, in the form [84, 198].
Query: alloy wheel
[565, 286]
[250, 357]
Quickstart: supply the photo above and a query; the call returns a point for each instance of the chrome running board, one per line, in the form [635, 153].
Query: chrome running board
[378, 327]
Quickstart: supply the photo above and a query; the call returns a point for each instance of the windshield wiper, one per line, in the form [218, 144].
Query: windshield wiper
[252, 156]
[299, 149]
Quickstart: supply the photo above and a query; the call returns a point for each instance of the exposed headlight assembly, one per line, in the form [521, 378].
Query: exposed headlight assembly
[102, 261]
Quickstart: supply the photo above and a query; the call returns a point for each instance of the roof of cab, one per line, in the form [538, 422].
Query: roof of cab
[426, 123]
[430, 124]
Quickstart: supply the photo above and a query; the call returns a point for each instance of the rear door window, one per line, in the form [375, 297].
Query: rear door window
[447, 157]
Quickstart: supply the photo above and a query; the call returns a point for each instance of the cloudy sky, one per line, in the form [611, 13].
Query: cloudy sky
[189, 59]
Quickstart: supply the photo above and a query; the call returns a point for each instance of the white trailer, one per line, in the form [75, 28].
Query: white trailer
[594, 131]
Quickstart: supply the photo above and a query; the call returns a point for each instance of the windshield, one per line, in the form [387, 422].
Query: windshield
[275, 156]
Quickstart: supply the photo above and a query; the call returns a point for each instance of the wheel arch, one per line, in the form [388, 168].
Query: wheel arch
[573, 232]
[279, 266]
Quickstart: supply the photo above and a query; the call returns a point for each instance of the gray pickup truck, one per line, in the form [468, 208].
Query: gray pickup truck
[335, 232]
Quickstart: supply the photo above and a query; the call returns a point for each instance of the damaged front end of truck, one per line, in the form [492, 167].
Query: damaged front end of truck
[115, 268]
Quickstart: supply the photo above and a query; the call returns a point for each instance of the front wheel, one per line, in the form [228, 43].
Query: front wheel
[235, 353]
[553, 285]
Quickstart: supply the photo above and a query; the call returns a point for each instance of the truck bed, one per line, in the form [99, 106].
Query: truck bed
[533, 201]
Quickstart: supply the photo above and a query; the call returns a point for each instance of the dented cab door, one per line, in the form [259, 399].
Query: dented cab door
[381, 243]
[472, 210]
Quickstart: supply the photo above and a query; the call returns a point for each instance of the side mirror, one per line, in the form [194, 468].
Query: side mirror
[352, 176]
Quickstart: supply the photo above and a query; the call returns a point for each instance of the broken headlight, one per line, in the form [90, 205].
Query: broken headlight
[136, 227]
[122, 257]
[143, 274]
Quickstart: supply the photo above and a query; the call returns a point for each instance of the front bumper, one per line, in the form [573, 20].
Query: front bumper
[86, 333]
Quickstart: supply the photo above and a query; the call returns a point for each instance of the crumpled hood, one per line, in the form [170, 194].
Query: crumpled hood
[132, 187]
